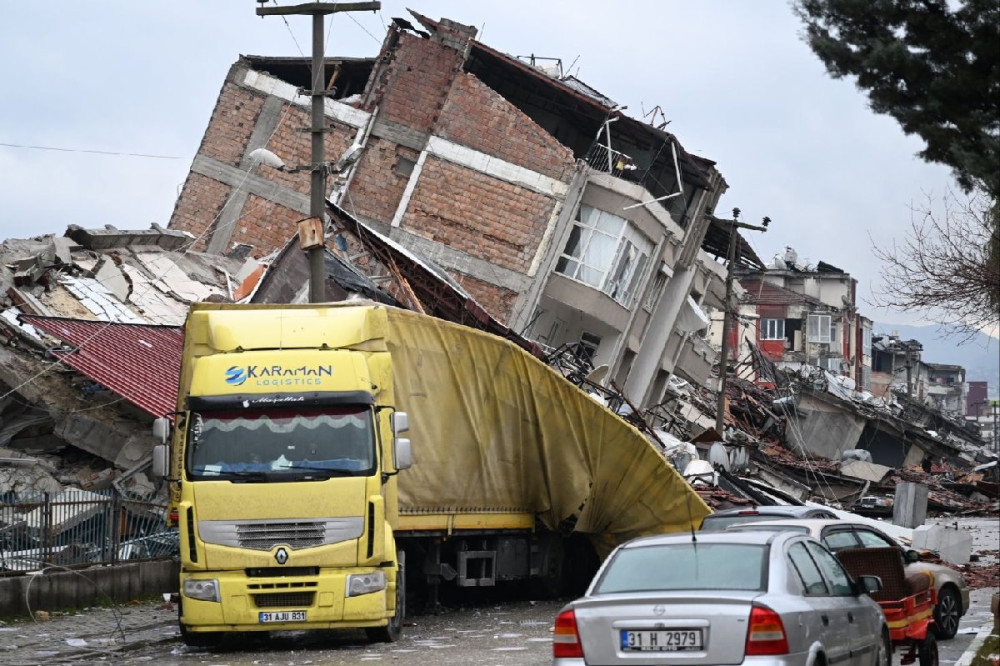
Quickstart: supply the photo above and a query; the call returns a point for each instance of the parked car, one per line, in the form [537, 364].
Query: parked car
[723, 598]
[952, 591]
[721, 520]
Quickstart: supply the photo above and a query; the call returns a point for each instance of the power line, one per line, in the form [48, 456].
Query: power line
[94, 152]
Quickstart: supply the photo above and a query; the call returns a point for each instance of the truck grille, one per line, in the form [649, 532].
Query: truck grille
[295, 534]
[265, 536]
[284, 600]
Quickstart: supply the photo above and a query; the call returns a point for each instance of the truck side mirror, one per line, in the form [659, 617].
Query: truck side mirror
[161, 430]
[400, 423]
[403, 454]
[161, 461]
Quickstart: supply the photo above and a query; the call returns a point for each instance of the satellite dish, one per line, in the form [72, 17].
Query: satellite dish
[598, 374]
[717, 455]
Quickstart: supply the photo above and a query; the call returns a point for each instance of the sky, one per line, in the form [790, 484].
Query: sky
[124, 90]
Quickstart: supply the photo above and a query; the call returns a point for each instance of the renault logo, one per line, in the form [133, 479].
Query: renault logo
[281, 556]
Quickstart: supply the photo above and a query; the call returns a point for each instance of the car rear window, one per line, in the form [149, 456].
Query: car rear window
[685, 566]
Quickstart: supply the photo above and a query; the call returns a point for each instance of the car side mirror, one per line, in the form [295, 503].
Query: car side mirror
[869, 584]
[911, 556]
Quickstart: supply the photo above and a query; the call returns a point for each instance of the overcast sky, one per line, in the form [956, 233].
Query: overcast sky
[734, 79]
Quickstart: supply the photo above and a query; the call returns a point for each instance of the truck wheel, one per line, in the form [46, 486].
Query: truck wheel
[947, 613]
[393, 631]
[928, 652]
[203, 639]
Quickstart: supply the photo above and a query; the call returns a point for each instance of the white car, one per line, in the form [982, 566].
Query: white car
[751, 598]
[952, 590]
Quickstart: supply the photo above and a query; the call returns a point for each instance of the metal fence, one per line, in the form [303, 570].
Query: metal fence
[80, 527]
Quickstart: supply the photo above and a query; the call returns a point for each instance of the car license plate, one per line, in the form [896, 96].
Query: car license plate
[283, 616]
[661, 640]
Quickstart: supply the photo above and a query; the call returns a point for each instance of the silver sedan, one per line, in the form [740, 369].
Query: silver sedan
[723, 598]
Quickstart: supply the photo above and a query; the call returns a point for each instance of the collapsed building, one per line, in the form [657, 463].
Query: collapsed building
[476, 187]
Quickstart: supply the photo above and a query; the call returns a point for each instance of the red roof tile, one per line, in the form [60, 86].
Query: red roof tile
[765, 293]
[138, 362]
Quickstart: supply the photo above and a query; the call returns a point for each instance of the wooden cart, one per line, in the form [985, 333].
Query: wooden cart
[908, 603]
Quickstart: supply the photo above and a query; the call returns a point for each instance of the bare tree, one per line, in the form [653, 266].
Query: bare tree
[947, 267]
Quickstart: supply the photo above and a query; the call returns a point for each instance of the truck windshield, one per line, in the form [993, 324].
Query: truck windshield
[278, 444]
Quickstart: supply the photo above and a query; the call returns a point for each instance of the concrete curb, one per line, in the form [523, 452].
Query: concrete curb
[977, 642]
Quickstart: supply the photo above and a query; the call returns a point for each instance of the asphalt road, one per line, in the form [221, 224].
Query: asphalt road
[514, 633]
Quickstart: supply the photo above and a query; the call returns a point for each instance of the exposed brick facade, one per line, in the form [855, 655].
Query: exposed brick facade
[232, 123]
[476, 116]
[199, 205]
[496, 300]
[265, 225]
[477, 214]
[378, 186]
[416, 83]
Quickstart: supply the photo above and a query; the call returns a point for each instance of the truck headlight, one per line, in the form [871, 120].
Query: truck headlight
[358, 584]
[204, 589]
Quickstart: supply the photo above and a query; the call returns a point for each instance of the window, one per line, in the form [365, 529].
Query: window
[605, 252]
[685, 566]
[840, 539]
[836, 577]
[805, 567]
[819, 328]
[866, 341]
[656, 288]
[871, 540]
[772, 329]
[588, 346]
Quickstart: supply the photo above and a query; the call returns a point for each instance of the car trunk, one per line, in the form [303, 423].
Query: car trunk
[670, 618]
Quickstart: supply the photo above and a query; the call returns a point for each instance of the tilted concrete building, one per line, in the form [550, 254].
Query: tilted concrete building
[567, 220]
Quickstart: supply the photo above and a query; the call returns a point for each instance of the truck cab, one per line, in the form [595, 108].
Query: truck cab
[282, 463]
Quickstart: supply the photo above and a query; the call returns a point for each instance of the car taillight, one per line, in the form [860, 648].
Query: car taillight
[766, 634]
[566, 639]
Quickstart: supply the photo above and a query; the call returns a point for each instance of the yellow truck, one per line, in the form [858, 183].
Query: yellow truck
[291, 481]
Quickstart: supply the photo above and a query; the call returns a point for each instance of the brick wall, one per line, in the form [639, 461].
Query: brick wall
[198, 205]
[377, 186]
[478, 214]
[496, 300]
[415, 85]
[478, 117]
[231, 124]
[265, 225]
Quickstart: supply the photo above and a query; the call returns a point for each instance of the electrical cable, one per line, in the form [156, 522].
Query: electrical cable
[93, 152]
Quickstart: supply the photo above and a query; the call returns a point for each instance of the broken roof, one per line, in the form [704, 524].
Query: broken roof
[112, 354]
[761, 292]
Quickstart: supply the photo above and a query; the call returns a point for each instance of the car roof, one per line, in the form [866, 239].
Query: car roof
[815, 525]
[761, 538]
[776, 509]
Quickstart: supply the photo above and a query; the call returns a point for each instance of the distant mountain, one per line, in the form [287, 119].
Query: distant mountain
[980, 356]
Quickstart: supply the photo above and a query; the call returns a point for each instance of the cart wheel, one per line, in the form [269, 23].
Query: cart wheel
[928, 653]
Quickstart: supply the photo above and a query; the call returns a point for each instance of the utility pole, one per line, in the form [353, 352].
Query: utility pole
[313, 241]
[727, 316]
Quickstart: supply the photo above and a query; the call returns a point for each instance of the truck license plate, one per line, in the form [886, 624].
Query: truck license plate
[671, 640]
[283, 616]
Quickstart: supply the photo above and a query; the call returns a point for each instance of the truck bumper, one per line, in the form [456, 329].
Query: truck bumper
[243, 600]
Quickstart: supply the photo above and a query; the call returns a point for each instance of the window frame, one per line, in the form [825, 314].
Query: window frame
[814, 332]
[765, 328]
[620, 279]
[801, 544]
[821, 554]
